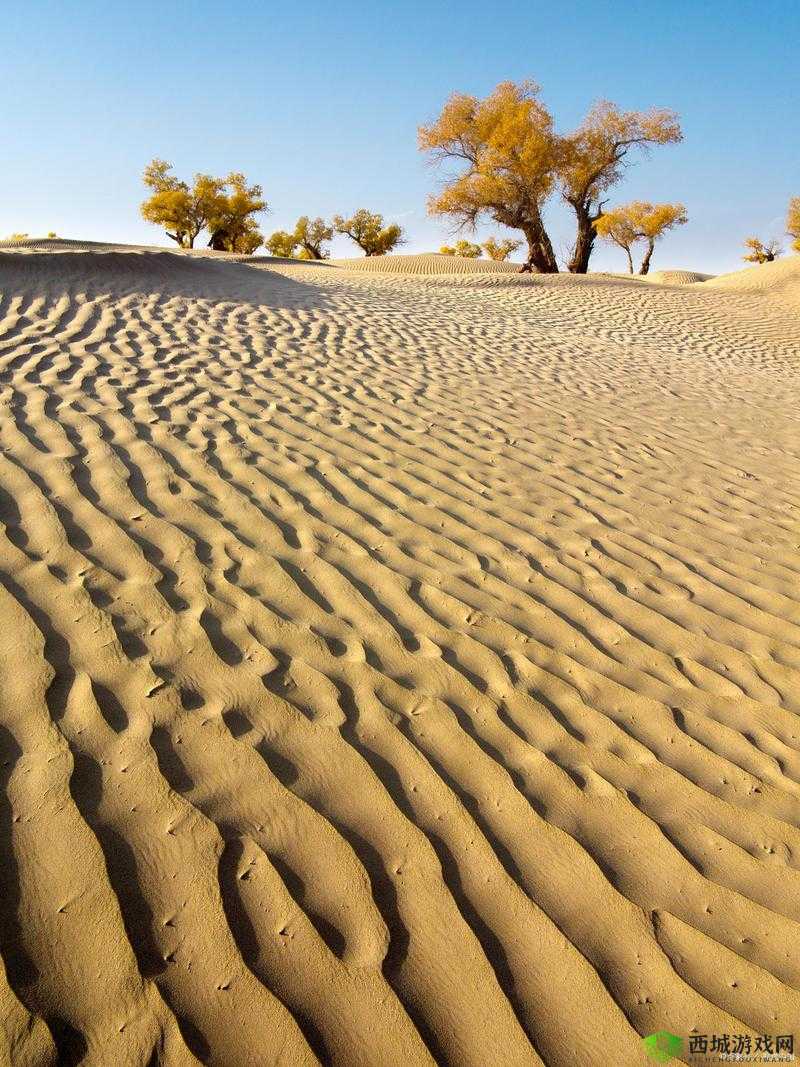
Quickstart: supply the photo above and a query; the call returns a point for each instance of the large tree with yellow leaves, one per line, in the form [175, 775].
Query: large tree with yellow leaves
[510, 160]
[594, 159]
[508, 153]
[223, 206]
[181, 209]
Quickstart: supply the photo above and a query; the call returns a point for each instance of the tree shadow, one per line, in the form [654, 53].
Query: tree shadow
[167, 274]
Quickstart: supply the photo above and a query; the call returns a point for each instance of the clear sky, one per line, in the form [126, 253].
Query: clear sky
[319, 101]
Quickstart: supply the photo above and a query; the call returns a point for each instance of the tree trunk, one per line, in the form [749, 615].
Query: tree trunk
[584, 239]
[219, 241]
[645, 267]
[541, 257]
[630, 260]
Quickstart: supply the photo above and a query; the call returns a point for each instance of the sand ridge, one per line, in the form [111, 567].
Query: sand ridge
[778, 281]
[427, 263]
[676, 277]
[397, 668]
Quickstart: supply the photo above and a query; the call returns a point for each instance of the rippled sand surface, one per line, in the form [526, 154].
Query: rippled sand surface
[394, 668]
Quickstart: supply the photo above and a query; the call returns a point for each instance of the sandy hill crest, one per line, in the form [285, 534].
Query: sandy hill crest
[395, 667]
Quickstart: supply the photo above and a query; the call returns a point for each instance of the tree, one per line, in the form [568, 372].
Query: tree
[639, 221]
[281, 244]
[465, 249]
[653, 221]
[508, 153]
[760, 252]
[230, 220]
[593, 160]
[27, 236]
[616, 226]
[499, 251]
[368, 232]
[184, 212]
[311, 235]
[793, 222]
[511, 159]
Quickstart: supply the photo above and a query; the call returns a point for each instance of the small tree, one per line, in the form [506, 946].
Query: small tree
[281, 244]
[369, 233]
[593, 160]
[183, 211]
[793, 222]
[758, 252]
[616, 226]
[465, 249]
[654, 220]
[312, 235]
[230, 221]
[639, 221]
[508, 153]
[26, 236]
[499, 251]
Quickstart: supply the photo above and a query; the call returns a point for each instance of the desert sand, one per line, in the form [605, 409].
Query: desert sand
[398, 666]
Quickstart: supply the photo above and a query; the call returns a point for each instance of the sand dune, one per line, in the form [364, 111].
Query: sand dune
[395, 671]
[427, 263]
[676, 277]
[436, 263]
[779, 281]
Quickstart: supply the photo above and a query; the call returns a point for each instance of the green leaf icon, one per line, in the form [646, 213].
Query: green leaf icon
[663, 1046]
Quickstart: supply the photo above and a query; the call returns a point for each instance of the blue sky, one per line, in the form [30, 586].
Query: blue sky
[320, 101]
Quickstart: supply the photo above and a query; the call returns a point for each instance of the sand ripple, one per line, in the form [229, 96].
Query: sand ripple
[395, 670]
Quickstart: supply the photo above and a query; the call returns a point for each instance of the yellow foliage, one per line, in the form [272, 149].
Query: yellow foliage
[230, 221]
[499, 251]
[225, 206]
[466, 249]
[654, 220]
[793, 222]
[639, 221]
[508, 151]
[27, 236]
[593, 157]
[281, 244]
[369, 233]
[511, 159]
[311, 235]
[758, 252]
